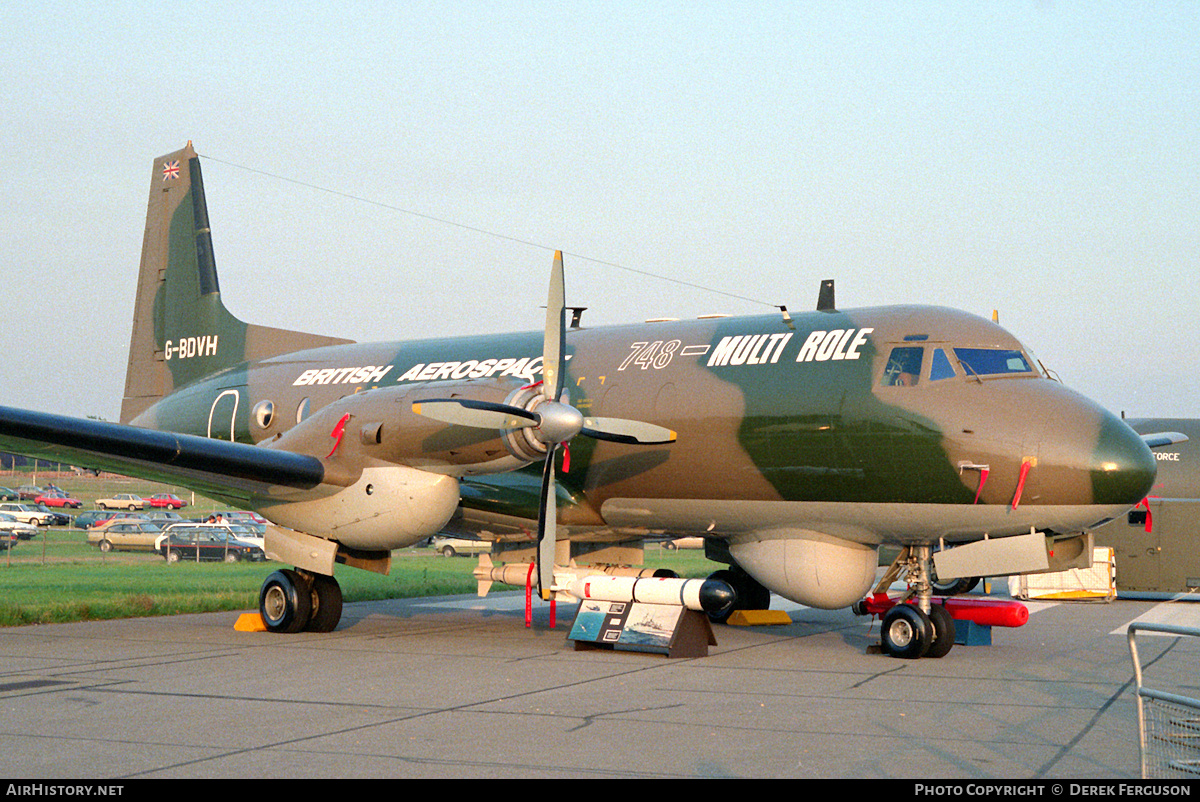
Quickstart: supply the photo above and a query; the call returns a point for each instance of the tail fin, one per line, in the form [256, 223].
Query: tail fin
[181, 330]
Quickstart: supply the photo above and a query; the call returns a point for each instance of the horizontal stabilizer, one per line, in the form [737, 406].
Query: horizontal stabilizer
[215, 466]
[1164, 439]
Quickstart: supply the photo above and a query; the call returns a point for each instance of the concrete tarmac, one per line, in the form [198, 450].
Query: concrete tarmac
[458, 687]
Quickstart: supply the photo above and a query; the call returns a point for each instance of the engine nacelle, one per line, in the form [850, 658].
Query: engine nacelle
[389, 507]
[808, 567]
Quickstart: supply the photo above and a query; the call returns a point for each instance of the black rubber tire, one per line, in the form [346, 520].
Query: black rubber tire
[285, 601]
[906, 632]
[727, 577]
[749, 594]
[944, 632]
[955, 587]
[326, 604]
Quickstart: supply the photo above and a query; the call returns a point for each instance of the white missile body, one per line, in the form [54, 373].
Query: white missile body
[517, 574]
[614, 583]
[694, 594]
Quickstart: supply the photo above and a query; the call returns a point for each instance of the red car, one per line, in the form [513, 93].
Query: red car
[58, 500]
[167, 500]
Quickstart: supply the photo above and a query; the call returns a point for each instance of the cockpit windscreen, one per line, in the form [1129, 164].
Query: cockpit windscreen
[992, 362]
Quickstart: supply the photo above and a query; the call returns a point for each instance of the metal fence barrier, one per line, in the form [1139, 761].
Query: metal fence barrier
[1168, 723]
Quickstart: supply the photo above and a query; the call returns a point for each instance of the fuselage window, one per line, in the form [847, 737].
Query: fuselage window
[940, 368]
[903, 367]
[264, 414]
[302, 410]
[992, 361]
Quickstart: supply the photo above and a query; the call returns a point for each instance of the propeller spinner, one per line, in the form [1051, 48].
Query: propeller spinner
[551, 419]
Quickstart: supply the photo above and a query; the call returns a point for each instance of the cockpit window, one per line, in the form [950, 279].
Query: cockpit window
[992, 361]
[903, 367]
[941, 367]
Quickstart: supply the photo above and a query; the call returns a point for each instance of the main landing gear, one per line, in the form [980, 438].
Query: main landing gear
[916, 627]
[293, 600]
[748, 592]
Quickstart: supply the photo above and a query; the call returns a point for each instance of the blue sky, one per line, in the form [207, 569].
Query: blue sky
[1039, 158]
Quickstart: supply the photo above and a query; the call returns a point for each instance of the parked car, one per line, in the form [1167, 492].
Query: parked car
[254, 534]
[85, 520]
[58, 499]
[240, 517]
[167, 500]
[683, 543]
[113, 517]
[57, 517]
[125, 534]
[8, 494]
[211, 542]
[122, 501]
[166, 517]
[27, 513]
[10, 526]
[29, 492]
[450, 546]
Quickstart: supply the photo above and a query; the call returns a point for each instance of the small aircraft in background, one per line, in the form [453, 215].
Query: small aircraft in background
[795, 445]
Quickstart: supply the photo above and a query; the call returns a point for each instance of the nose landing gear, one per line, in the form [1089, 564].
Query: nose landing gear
[916, 627]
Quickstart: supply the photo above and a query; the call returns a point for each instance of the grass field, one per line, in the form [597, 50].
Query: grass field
[94, 586]
[57, 577]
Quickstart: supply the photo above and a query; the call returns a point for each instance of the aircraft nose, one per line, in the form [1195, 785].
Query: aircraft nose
[1123, 467]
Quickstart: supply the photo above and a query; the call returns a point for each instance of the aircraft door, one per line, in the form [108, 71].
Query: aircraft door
[223, 415]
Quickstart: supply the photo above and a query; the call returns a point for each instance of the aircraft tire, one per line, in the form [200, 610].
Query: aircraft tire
[748, 593]
[285, 601]
[727, 577]
[326, 604]
[955, 587]
[943, 631]
[906, 632]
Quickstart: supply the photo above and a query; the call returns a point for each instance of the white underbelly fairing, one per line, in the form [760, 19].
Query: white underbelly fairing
[389, 507]
[808, 567]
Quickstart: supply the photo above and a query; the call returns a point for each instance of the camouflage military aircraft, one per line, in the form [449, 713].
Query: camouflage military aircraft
[795, 445]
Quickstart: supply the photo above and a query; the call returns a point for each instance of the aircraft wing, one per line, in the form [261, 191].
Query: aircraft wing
[210, 466]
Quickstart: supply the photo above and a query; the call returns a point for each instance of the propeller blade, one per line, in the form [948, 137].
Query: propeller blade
[478, 414]
[631, 432]
[547, 526]
[556, 332]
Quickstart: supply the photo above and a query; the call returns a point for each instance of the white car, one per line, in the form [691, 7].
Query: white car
[239, 532]
[11, 526]
[122, 501]
[29, 514]
[450, 546]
